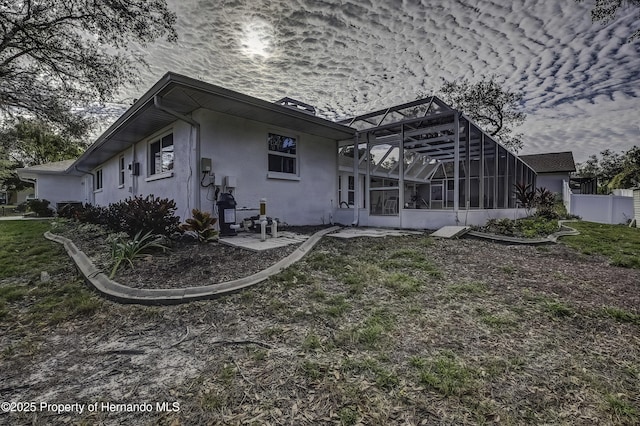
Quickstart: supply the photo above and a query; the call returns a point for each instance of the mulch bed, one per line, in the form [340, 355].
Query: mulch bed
[187, 264]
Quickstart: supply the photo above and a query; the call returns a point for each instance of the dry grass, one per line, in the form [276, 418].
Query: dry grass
[366, 331]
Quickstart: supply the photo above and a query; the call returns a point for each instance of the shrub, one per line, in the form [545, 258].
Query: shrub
[91, 214]
[202, 225]
[40, 208]
[68, 211]
[500, 226]
[525, 195]
[147, 215]
[531, 227]
[21, 208]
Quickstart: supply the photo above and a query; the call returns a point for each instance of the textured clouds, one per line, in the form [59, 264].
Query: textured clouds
[581, 81]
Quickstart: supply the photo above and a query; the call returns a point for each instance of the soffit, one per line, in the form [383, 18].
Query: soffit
[185, 95]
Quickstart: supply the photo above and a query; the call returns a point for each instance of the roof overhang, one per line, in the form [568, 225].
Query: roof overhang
[185, 95]
[53, 168]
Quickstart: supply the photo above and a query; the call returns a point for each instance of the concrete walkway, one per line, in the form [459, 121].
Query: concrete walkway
[124, 294]
[24, 218]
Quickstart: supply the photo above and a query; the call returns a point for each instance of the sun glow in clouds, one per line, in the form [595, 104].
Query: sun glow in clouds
[257, 39]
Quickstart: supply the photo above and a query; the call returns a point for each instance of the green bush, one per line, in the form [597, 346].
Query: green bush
[201, 224]
[40, 208]
[96, 215]
[143, 214]
[531, 227]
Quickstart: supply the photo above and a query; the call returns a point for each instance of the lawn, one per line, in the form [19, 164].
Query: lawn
[398, 330]
[618, 243]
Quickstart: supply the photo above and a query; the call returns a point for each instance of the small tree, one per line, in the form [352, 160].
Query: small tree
[605, 11]
[495, 109]
[31, 142]
[58, 54]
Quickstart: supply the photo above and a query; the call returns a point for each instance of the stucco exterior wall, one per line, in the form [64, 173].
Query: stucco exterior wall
[58, 188]
[238, 148]
[553, 182]
[176, 185]
[427, 219]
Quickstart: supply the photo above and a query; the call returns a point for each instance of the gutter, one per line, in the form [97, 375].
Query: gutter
[157, 102]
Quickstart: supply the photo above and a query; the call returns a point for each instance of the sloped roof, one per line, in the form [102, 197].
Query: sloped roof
[553, 162]
[55, 167]
[184, 95]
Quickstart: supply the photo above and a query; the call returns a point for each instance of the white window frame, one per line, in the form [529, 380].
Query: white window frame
[121, 171]
[295, 175]
[98, 180]
[152, 173]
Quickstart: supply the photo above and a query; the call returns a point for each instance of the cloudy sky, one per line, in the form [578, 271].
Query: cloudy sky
[581, 81]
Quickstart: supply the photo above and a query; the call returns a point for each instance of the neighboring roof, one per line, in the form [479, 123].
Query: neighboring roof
[185, 95]
[553, 162]
[56, 167]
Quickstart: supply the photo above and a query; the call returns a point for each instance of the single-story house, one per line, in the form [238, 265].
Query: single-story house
[52, 181]
[419, 165]
[552, 169]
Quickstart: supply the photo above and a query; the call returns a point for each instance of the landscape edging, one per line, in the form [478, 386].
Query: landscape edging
[124, 294]
[553, 238]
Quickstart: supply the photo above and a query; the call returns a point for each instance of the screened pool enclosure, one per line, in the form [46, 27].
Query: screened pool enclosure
[424, 164]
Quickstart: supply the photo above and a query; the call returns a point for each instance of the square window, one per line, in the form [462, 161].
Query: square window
[283, 153]
[161, 155]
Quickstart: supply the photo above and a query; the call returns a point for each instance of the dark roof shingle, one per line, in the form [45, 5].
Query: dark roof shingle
[553, 162]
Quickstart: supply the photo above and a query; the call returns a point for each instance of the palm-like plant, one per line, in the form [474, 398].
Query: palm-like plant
[525, 194]
[124, 249]
[201, 224]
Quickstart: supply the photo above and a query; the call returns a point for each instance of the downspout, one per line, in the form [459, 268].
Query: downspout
[157, 102]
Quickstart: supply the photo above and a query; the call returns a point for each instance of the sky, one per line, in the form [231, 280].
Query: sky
[580, 80]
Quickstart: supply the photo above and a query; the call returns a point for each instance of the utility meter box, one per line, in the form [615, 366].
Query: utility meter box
[230, 181]
[205, 165]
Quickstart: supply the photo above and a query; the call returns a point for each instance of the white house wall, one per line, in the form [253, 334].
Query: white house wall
[553, 182]
[59, 188]
[238, 149]
[427, 219]
[176, 186]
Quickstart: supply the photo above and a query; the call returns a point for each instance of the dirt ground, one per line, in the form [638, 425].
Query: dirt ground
[352, 334]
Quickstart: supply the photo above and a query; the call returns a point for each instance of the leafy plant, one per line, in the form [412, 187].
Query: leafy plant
[202, 225]
[143, 214]
[40, 208]
[532, 227]
[69, 211]
[89, 213]
[545, 202]
[129, 250]
[525, 195]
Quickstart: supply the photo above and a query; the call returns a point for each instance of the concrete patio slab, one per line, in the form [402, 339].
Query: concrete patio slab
[371, 232]
[251, 241]
[451, 231]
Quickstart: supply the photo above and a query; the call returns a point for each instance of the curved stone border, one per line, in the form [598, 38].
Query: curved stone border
[553, 238]
[124, 294]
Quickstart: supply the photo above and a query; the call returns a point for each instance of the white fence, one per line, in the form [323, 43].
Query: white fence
[612, 209]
